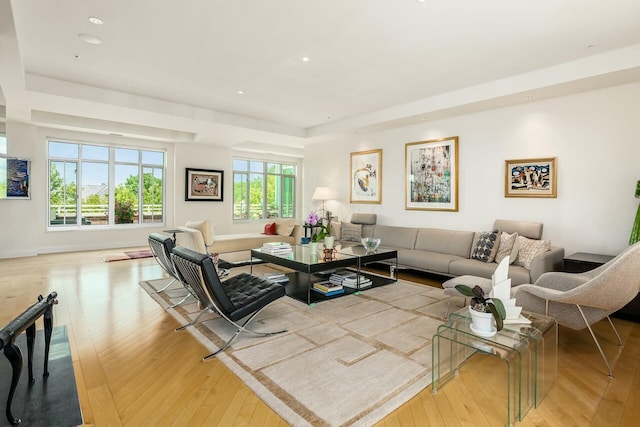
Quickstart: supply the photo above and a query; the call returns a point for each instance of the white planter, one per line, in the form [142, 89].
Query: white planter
[482, 324]
[328, 242]
[313, 246]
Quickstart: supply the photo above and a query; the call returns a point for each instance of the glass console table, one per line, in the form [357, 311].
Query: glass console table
[529, 353]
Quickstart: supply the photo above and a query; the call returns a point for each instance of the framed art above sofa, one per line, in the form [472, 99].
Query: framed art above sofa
[431, 170]
[366, 177]
[531, 177]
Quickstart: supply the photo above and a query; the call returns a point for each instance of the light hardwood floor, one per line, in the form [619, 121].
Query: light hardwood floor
[132, 368]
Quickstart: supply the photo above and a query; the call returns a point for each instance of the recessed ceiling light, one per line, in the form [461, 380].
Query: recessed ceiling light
[529, 98]
[305, 59]
[89, 38]
[95, 20]
[241, 92]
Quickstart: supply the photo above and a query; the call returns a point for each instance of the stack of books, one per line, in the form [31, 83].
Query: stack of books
[327, 288]
[277, 248]
[350, 279]
[276, 277]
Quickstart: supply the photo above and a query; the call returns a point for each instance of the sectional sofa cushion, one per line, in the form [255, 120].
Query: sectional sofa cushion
[395, 237]
[452, 242]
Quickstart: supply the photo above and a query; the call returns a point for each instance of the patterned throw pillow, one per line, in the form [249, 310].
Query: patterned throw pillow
[351, 232]
[508, 247]
[486, 247]
[529, 249]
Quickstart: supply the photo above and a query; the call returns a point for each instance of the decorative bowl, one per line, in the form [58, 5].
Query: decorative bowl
[370, 244]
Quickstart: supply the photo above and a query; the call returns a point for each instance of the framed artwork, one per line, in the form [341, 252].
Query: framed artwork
[531, 177]
[203, 185]
[15, 183]
[366, 176]
[431, 170]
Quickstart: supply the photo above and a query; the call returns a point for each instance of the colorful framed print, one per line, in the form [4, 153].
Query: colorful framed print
[531, 177]
[366, 177]
[431, 170]
[203, 185]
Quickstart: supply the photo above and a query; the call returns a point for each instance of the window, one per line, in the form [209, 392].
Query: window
[263, 189]
[116, 185]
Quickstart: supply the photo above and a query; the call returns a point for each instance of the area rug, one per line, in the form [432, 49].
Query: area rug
[51, 401]
[123, 256]
[347, 361]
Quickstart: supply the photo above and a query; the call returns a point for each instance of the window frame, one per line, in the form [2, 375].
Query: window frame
[111, 178]
[265, 174]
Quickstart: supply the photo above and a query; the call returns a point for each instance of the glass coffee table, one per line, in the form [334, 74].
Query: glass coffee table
[311, 267]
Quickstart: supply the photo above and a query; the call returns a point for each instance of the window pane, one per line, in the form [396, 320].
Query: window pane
[126, 193]
[127, 156]
[240, 165]
[273, 196]
[153, 158]
[152, 195]
[240, 196]
[3, 144]
[95, 193]
[257, 167]
[288, 169]
[95, 152]
[273, 168]
[62, 193]
[256, 186]
[288, 191]
[63, 150]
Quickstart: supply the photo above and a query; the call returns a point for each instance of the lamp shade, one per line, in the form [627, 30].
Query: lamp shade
[322, 193]
[637, 190]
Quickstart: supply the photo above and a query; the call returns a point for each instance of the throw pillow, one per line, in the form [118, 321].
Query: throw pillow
[284, 227]
[335, 230]
[270, 229]
[205, 227]
[486, 247]
[529, 249]
[351, 232]
[508, 246]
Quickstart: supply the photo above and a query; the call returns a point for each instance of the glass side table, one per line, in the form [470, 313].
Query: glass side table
[529, 353]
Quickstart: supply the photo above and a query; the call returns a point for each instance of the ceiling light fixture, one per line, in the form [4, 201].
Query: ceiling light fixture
[95, 20]
[305, 59]
[89, 38]
[529, 98]
[241, 92]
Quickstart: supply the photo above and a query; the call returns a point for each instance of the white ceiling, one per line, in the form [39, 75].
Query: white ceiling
[172, 70]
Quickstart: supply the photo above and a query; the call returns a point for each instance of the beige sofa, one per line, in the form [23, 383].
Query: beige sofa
[449, 252]
[199, 236]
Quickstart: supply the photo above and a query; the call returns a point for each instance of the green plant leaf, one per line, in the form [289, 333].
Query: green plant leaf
[465, 290]
[496, 316]
[500, 306]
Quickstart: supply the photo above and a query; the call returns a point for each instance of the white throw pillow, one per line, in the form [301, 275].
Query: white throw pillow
[508, 246]
[205, 227]
[284, 227]
[529, 249]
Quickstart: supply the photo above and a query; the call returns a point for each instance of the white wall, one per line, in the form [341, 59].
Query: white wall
[595, 136]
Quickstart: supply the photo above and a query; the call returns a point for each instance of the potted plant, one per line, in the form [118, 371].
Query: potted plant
[323, 233]
[485, 311]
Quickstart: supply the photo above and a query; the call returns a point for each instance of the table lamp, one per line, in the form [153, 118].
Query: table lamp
[635, 231]
[322, 193]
